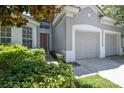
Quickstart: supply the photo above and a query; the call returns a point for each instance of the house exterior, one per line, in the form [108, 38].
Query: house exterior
[85, 32]
[78, 32]
[32, 35]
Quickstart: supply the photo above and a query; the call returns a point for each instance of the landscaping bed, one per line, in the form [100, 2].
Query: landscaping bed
[27, 68]
[21, 67]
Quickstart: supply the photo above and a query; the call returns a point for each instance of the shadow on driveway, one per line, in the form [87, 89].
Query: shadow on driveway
[95, 65]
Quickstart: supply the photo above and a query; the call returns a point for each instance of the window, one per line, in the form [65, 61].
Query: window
[45, 25]
[5, 35]
[27, 36]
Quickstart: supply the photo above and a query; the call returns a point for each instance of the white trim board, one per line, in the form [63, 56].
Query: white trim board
[58, 17]
[118, 36]
[83, 28]
[70, 55]
[112, 32]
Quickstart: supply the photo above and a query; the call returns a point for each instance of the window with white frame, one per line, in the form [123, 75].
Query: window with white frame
[5, 35]
[27, 36]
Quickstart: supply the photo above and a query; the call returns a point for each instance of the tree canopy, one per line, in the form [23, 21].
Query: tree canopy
[114, 11]
[12, 15]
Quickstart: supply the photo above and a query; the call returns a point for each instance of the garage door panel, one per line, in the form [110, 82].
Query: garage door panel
[86, 44]
[110, 44]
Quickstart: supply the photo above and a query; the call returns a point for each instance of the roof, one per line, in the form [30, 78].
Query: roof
[104, 13]
[31, 20]
[94, 7]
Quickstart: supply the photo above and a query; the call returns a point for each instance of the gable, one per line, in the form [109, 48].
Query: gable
[92, 10]
[86, 15]
[102, 18]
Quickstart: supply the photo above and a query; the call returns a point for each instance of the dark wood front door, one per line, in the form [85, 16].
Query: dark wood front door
[43, 41]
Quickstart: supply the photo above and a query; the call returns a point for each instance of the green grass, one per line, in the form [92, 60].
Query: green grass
[94, 81]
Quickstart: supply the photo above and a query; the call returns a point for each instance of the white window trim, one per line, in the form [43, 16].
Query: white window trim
[5, 36]
[27, 38]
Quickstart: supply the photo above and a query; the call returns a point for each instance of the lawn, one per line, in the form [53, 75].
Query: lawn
[95, 81]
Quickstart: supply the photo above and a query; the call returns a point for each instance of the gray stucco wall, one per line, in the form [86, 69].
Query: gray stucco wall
[59, 36]
[82, 18]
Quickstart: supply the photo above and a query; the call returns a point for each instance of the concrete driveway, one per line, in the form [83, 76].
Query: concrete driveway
[111, 68]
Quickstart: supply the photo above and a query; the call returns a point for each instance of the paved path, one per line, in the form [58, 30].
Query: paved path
[111, 68]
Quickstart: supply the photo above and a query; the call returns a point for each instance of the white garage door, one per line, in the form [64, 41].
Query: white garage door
[86, 44]
[110, 44]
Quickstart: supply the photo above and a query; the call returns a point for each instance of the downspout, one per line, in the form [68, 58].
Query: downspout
[51, 36]
[37, 38]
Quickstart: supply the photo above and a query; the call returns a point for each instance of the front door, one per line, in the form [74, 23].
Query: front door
[44, 41]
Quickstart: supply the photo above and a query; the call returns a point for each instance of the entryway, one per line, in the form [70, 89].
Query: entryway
[44, 41]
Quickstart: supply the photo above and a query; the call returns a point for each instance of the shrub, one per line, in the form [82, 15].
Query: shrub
[37, 75]
[10, 54]
[27, 68]
[60, 57]
[57, 56]
[35, 55]
[53, 54]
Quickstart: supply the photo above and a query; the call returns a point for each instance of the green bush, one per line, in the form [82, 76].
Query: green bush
[27, 68]
[36, 54]
[60, 57]
[37, 75]
[10, 53]
[57, 56]
[17, 53]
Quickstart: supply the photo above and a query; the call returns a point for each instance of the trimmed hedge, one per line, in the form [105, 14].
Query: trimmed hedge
[37, 75]
[10, 54]
[28, 69]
